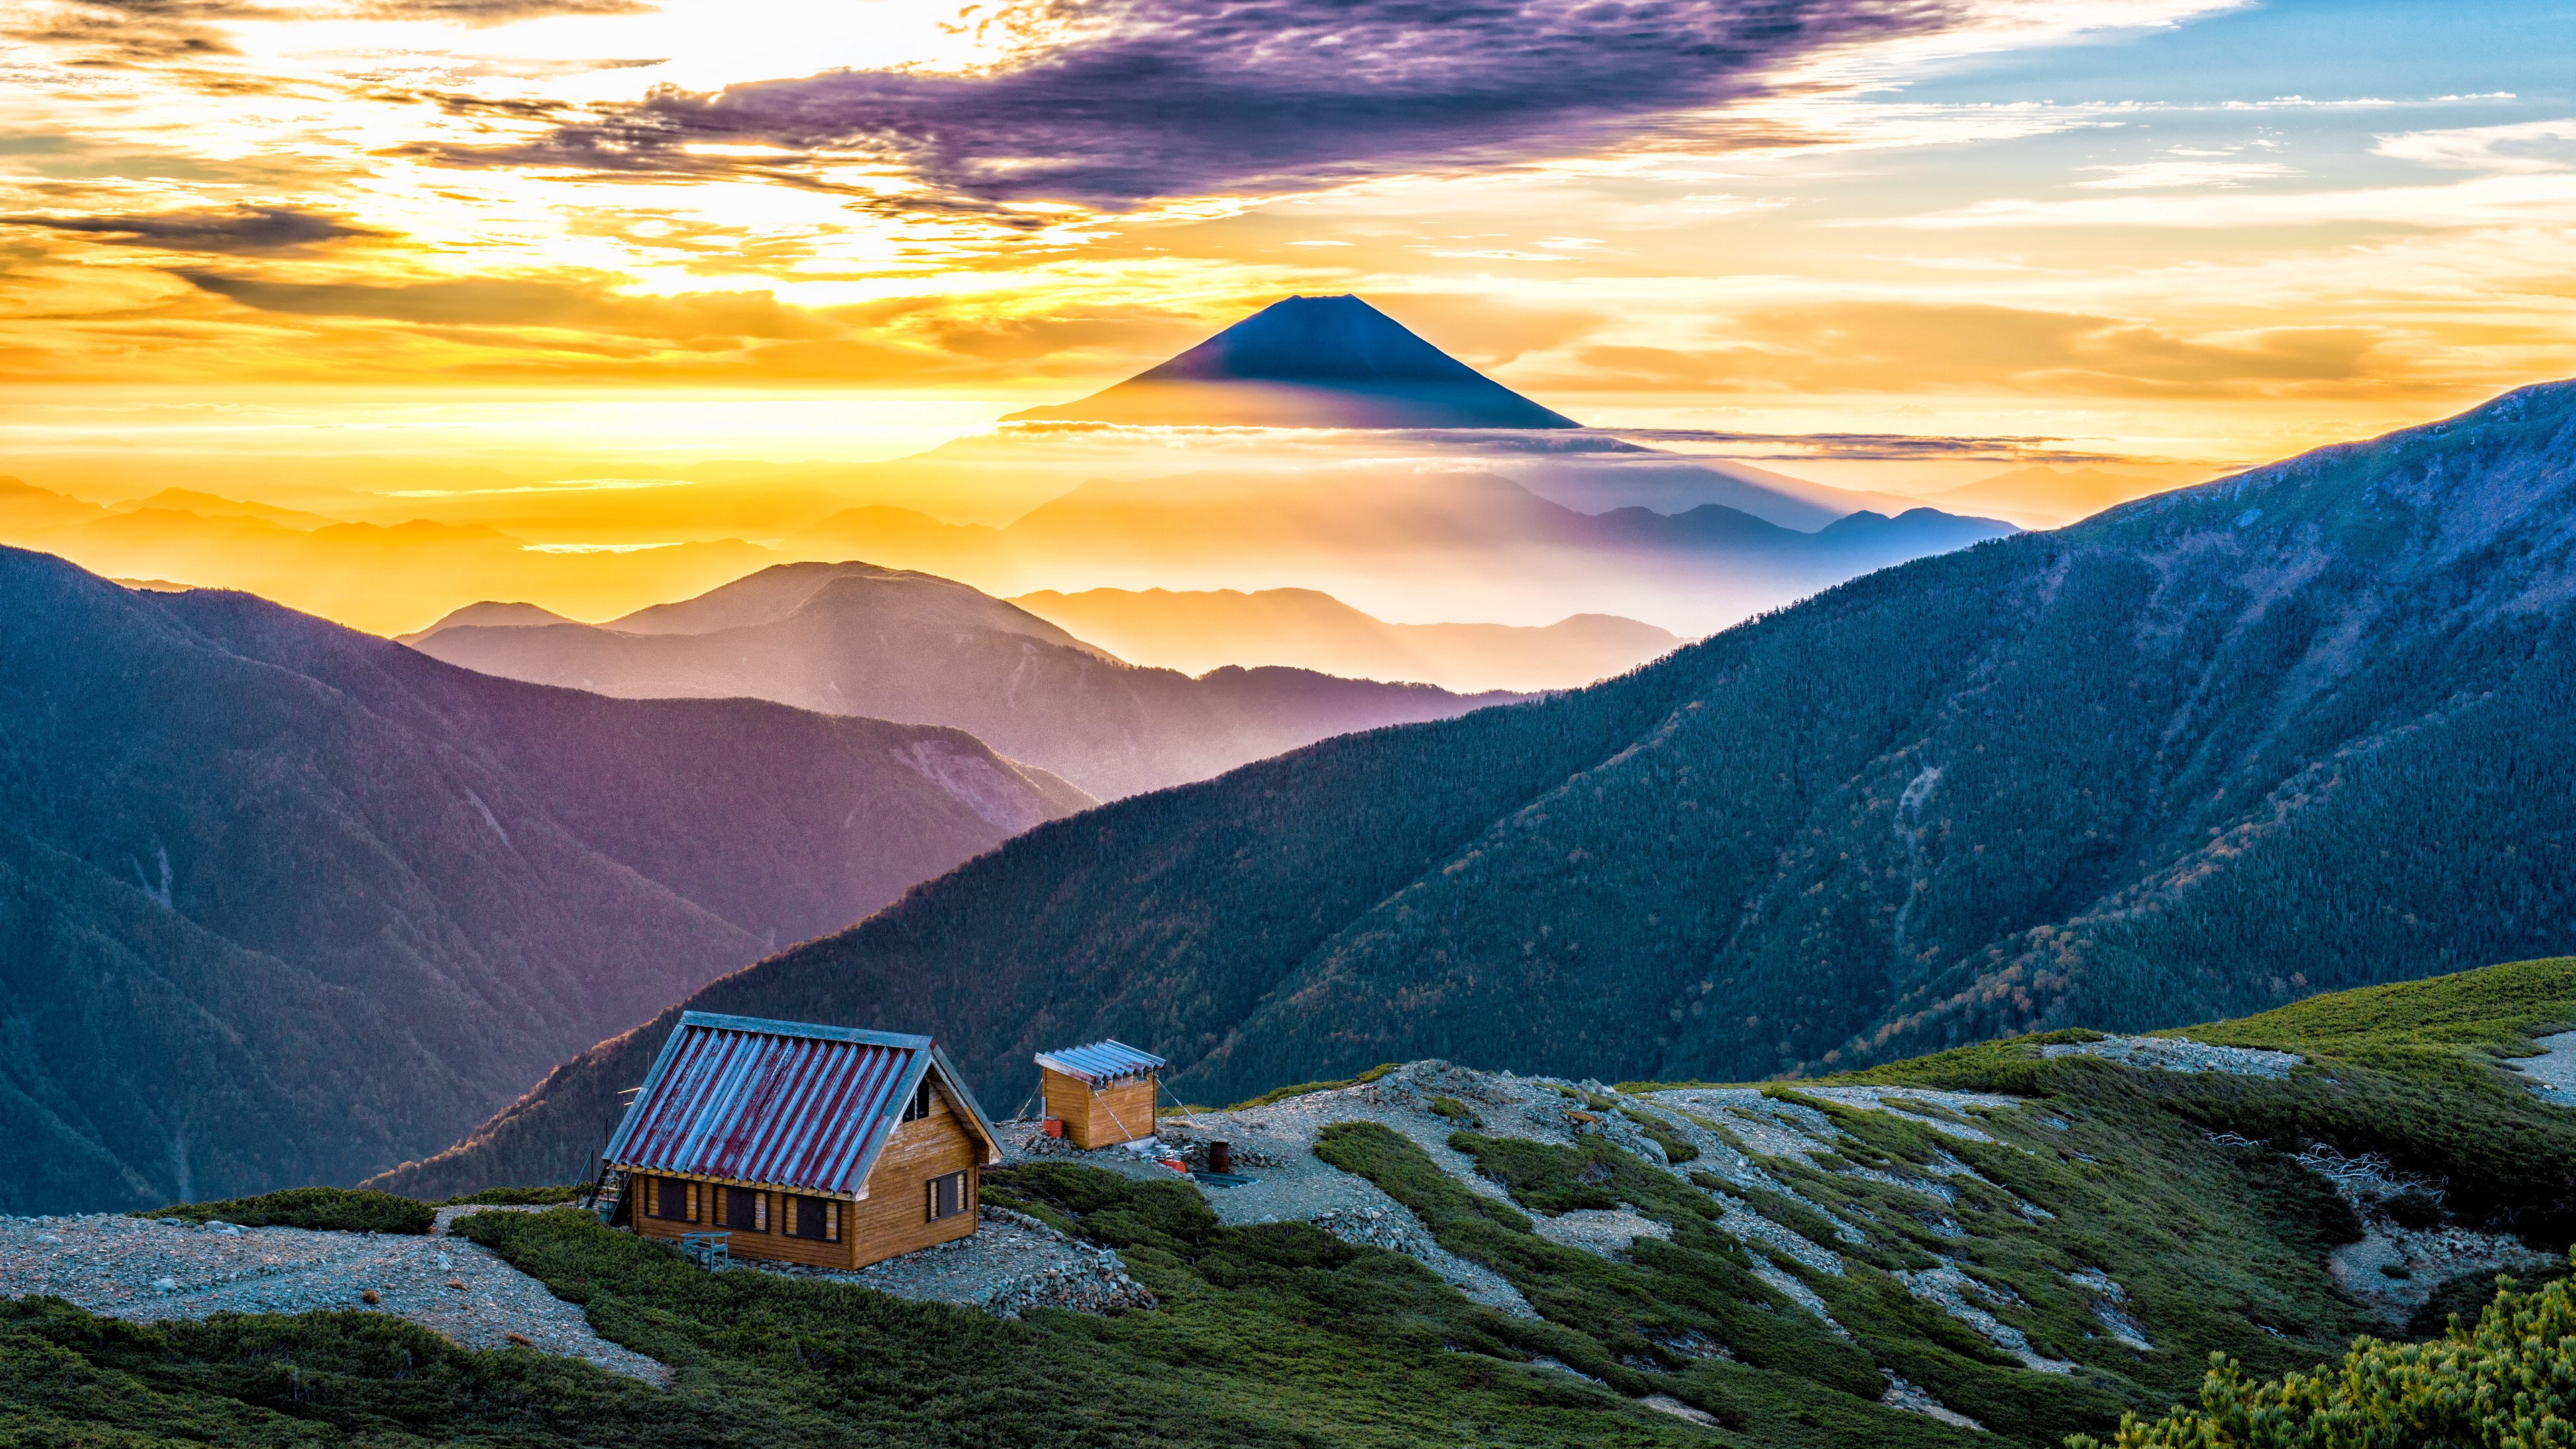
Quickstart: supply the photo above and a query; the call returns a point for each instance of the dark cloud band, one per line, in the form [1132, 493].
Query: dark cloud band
[1143, 99]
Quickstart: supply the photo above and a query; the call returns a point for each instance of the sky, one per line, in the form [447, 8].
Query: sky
[2173, 236]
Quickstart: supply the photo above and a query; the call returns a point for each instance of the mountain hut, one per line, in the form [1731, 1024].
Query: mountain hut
[1104, 1093]
[823, 1145]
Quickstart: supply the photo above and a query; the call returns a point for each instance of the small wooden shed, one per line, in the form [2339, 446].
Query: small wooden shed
[823, 1145]
[1104, 1093]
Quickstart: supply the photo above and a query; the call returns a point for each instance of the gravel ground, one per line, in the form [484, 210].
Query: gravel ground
[2553, 1072]
[1606, 1231]
[1913, 1400]
[2111, 1308]
[1960, 1296]
[1013, 1262]
[2179, 1054]
[145, 1270]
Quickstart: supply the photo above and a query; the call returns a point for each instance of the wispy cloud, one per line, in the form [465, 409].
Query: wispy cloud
[582, 303]
[2183, 171]
[1905, 347]
[2486, 201]
[2525, 146]
[1875, 447]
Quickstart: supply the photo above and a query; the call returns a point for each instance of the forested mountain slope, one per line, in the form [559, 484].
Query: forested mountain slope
[281, 902]
[852, 638]
[2302, 728]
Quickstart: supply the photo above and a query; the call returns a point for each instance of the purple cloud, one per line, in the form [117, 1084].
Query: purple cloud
[247, 230]
[1164, 98]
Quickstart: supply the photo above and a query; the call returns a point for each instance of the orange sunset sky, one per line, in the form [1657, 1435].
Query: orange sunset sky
[361, 257]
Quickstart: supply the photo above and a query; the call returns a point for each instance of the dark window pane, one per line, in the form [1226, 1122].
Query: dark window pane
[813, 1218]
[947, 1196]
[670, 1199]
[742, 1210]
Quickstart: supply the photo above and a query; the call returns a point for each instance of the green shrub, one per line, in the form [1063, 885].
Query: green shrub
[554, 1196]
[2510, 1381]
[339, 1209]
[1303, 1089]
[1452, 1108]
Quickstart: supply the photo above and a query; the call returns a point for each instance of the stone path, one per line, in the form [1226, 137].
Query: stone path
[149, 1269]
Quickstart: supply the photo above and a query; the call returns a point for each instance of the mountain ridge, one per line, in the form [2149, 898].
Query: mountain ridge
[1310, 629]
[854, 638]
[286, 902]
[2078, 777]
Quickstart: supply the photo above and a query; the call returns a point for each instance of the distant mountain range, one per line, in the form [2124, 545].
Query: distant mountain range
[1310, 362]
[286, 903]
[2293, 730]
[1481, 541]
[853, 638]
[369, 575]
[1195, 632]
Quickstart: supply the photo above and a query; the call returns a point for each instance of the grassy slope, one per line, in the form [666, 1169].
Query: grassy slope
[1279, 1334]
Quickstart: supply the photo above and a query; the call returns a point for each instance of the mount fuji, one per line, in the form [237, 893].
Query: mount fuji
[1310, 362]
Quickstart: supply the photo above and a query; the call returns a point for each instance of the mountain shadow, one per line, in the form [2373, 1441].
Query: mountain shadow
[282, 903]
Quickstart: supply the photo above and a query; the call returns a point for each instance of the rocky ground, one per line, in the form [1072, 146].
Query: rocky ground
[2395, 1267]
[1273, 1145]
[1012, 1262]
[2180, 1054]
[2552, 1073]
[150, 1269]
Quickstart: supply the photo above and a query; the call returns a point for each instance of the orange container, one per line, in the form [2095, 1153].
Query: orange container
[1052, 1126]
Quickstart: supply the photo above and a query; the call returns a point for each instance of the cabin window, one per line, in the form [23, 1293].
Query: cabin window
[745, 1209]
[814, 1217]
[920, 1105]
[947, 1196]
[673, 1200]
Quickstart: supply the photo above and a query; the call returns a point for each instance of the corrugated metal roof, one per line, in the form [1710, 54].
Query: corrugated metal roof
[1101, 1061]
[779, 1103]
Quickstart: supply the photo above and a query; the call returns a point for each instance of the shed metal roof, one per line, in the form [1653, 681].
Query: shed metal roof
[1101, 1061]
[779, 1103]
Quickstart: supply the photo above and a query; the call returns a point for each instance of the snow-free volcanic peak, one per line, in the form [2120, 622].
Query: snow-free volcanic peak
[1310, 362]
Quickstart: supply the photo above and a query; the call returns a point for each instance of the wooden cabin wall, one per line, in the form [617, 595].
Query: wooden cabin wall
[1120, 1112]
[774, 1244]
[895, 1215]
